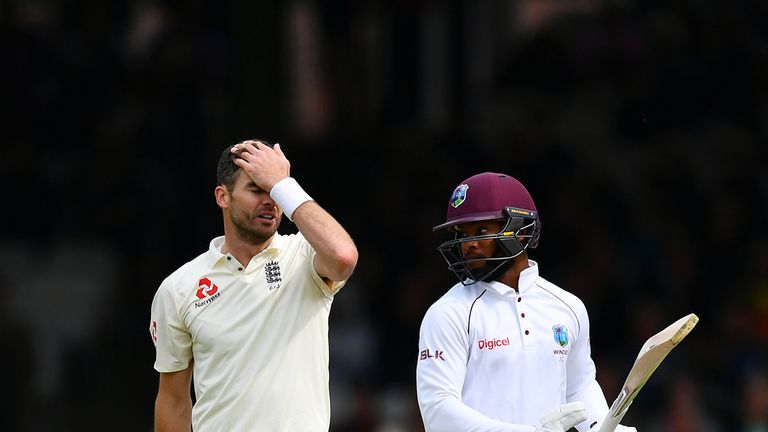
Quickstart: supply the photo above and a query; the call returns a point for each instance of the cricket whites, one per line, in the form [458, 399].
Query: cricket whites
[650, 357]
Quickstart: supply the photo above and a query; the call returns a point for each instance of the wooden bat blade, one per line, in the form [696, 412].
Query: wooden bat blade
[653, 352]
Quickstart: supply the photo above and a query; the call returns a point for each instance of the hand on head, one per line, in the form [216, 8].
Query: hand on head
[265, 165]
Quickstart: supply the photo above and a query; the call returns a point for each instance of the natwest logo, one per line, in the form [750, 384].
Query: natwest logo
[206, 288]
[207, 292]
[492, 343]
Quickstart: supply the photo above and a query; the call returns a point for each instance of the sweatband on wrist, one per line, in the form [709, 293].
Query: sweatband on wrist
[289, 195]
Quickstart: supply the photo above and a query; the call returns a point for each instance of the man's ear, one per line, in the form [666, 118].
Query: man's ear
[222, 196]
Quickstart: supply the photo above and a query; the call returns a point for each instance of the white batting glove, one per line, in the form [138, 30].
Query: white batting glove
[619, 428]
[563, 418]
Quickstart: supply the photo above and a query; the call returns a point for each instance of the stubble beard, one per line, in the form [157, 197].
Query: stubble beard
[248, 232]
[490, 270]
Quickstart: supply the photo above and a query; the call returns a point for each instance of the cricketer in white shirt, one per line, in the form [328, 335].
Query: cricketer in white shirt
[246, 322]
[495, 359]
[250, 331]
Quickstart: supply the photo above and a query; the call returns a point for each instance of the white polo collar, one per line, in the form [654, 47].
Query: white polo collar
[526, 280]
[215, 255]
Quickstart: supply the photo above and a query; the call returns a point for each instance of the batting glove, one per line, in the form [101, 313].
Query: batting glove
[563, 418]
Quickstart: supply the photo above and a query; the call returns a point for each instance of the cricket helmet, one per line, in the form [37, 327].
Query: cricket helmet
[490, 196]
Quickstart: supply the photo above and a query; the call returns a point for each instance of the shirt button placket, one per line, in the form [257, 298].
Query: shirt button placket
[522, 314]
[527, 341]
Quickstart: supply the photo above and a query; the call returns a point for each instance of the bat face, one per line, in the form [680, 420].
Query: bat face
[653, 352]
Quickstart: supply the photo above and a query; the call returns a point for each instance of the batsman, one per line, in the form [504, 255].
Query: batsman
[504, 349]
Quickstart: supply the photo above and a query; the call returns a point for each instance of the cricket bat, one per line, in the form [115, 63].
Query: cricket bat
[650, 357]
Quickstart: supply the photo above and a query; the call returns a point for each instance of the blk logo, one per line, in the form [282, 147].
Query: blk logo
[426, 354]
[206, 288]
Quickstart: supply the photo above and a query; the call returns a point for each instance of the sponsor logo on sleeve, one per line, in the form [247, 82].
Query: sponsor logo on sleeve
[431, 355]
[153, 332]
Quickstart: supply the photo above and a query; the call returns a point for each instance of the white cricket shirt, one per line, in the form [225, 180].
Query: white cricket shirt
[258, 334]
[493, 359]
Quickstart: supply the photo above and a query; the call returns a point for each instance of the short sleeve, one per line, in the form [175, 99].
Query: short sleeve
[309, 252]
[173, 343]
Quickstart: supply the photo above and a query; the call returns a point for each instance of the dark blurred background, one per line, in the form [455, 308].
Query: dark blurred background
[639, 127]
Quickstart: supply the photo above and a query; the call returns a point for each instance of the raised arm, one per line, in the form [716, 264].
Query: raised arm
[336, 252]
[269, 168]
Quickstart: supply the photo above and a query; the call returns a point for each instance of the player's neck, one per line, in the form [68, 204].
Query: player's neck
[511, 277]
[243, 249]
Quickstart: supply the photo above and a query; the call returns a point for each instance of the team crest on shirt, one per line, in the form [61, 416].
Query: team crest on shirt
[272, 275]
[459, 195]
[560, 332]
[561, 335]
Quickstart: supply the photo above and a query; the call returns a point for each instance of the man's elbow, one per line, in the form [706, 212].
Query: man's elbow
[345, 263]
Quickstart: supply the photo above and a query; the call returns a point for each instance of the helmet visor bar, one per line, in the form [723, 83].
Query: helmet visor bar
[512, 240]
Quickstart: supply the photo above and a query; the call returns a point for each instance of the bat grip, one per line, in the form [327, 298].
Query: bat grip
[613, 418]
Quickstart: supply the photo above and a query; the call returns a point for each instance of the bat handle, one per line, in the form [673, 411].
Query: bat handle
[609, 424]
[613, 418]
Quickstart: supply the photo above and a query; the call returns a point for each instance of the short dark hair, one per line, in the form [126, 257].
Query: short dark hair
[227, 171]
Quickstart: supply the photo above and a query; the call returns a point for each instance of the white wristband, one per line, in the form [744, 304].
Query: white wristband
[289, 195]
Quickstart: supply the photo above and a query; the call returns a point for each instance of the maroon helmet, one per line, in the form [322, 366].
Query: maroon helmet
[490, 196]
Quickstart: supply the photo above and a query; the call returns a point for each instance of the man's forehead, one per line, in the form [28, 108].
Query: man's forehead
[244, 180]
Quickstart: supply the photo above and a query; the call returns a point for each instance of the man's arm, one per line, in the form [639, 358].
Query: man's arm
[336, 252]
[440, 372]
[267, 166]
[173, 406]
[581, 374]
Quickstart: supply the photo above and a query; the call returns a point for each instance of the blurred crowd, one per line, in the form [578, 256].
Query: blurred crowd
[639, 127]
